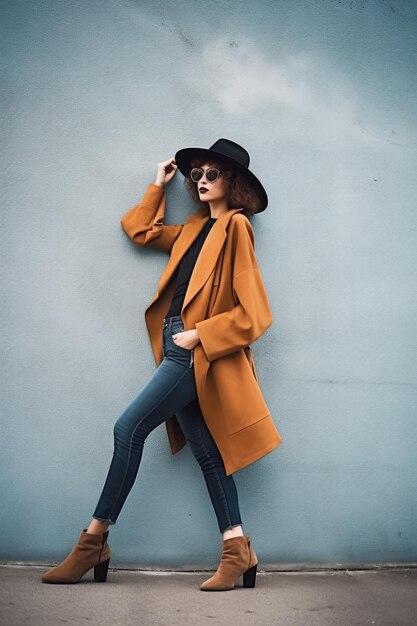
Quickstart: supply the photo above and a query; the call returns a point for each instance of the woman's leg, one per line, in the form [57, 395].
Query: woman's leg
[222, 489]
[238, 556]
[170, 388]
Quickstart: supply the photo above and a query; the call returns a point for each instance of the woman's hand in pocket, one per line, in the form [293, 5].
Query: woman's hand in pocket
[187, 339]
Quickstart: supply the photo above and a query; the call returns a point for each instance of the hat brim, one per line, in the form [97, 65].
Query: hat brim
[183, 160]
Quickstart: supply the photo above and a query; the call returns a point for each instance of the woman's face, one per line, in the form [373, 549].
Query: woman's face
[216, 190]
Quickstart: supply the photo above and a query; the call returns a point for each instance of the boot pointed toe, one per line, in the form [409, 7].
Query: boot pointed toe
[238, 557]
[91, 550]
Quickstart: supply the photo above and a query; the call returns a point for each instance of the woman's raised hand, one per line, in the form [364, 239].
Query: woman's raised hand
[166, 171]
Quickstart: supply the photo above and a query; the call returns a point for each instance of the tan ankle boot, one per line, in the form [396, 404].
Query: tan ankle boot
[238, 557]
[90, 551]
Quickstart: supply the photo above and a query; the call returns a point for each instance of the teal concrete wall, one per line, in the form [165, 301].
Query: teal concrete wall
[323, 95]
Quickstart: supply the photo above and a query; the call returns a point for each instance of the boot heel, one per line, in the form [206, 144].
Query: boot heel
[249, 576]
[100, 571]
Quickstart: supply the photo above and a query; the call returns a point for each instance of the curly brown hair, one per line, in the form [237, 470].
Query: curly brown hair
[239, 193]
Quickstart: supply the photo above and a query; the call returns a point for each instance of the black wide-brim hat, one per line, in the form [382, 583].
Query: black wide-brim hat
[230, 152]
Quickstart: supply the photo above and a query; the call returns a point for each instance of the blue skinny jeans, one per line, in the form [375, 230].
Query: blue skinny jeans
[170, 390]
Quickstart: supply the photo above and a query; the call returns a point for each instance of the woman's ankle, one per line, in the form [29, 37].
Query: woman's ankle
[96, 527]
[235, 531]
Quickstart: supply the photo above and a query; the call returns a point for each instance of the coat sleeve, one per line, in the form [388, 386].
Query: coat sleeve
[240, 326]
[144, 223]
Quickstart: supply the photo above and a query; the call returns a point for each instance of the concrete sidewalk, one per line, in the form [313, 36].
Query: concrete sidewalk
[337, 598]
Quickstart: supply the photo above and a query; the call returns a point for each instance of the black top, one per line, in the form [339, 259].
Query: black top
[185, 269]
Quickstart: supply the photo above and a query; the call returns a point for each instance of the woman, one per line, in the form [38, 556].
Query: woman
[210, 305]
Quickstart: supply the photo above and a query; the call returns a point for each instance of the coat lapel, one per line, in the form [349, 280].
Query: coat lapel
[207, 258]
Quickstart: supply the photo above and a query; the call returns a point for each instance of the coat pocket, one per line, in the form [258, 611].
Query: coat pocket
[239, 396]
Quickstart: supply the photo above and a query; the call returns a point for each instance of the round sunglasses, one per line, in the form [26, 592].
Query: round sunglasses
[211, 174]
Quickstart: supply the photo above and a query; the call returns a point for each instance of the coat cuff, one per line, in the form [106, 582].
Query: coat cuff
[205, 328]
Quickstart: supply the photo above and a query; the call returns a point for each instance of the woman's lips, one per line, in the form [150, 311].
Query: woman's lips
[203, 190]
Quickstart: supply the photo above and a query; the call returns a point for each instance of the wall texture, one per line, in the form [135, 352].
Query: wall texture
[323, 95]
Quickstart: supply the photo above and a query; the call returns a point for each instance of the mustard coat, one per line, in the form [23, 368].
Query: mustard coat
[227, 303]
